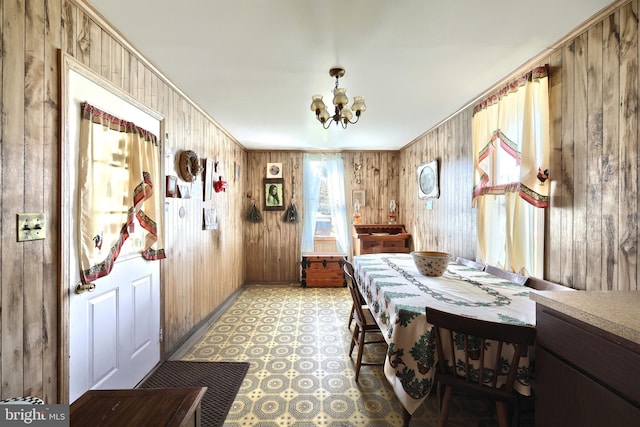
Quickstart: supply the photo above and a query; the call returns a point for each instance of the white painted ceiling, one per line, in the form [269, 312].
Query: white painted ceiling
[254, 64]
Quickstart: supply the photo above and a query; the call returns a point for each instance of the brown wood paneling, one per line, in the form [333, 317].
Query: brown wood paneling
[628, 205]
[50, 335]
[593, 170]
[33, 200]
[593, 219]
[610, 146]
[579, 190]
[554, 215]
[272, 247]
[449, 225]
[13, 177]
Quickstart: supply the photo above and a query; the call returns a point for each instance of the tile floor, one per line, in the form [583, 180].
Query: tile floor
[301, 375]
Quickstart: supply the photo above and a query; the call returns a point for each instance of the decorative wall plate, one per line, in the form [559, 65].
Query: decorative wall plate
[274, 170]
[428, 180]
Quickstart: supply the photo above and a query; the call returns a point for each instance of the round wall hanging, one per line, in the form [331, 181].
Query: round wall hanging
[189, 165]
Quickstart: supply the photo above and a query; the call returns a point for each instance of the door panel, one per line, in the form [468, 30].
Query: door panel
[115, 333]
[103, 316]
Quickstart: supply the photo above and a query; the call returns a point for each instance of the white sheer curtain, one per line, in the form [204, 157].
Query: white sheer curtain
[312, 169]
[311, 180]
[511, 172]
[335, 182]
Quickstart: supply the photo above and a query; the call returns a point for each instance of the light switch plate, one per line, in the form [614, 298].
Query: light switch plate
[31, 226]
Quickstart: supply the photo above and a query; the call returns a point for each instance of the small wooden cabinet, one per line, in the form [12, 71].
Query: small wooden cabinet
[323, 269]
[378, 238]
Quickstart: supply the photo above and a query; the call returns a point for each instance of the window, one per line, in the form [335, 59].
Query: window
[324, 201]
[324, 223]
[511, 157]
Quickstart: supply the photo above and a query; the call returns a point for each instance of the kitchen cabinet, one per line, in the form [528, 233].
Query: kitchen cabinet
[587, 374]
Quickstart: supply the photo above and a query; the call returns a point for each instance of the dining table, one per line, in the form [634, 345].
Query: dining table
[397, 295]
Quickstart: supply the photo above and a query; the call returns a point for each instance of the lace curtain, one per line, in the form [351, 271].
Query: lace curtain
[119, 179]
[511, 173]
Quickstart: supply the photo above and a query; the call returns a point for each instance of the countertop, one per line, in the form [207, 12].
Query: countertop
[617, 312]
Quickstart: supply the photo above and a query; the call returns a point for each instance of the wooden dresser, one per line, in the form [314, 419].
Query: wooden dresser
[377, 238]
[175, 407]
[323, 269]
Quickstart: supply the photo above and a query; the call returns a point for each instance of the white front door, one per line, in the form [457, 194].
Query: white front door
[114, 331]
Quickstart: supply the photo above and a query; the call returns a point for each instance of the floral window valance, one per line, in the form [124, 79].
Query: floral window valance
[119, 180]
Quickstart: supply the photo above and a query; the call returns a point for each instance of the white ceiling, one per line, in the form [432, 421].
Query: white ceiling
[254, 64]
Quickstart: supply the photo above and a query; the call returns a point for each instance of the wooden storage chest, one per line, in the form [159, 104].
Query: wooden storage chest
[323, 269]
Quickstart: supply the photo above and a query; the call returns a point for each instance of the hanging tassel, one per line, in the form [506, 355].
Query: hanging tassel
[254, 214]
[291, 214]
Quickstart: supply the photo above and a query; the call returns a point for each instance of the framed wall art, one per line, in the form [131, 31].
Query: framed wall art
[184, 191]
[359, 196]
[428, 180]
[274, 170]
[273, 194]
[172, 186]
[209, 219]
[208, 179]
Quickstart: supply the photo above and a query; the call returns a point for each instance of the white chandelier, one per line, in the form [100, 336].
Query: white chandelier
[342, 114]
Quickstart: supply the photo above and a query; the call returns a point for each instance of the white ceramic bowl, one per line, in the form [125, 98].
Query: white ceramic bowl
[431, 263]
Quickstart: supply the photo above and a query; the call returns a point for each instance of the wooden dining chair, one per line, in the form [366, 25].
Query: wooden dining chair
[348, 267]
[365, 324]
[462, 375]
[470, 263]
[507, 275]
[545, 285]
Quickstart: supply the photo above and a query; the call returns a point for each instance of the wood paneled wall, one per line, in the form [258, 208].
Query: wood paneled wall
[592, 224]
[445, 224]
[203, 268]
[272, 247]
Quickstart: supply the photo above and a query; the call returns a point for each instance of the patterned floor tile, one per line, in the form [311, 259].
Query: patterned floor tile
[301, 375]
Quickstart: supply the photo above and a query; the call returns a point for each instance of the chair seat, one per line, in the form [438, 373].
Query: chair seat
[369, 322]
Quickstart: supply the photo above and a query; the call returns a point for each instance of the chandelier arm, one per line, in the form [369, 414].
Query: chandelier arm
[355, 121]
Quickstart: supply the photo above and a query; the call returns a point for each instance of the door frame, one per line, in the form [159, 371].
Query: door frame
[67, 64]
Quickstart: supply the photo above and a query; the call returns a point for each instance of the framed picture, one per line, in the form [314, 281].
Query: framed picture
[208, 179]
[236, 171]
[209, 219]
[172, 186]
[274, 170]
[428, 180]
[184, 191]
[273, 194]
[359, 196]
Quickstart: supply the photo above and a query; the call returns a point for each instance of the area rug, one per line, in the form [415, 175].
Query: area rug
[223, 380]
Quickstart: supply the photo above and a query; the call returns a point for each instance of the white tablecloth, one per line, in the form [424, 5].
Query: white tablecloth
[398, 295]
